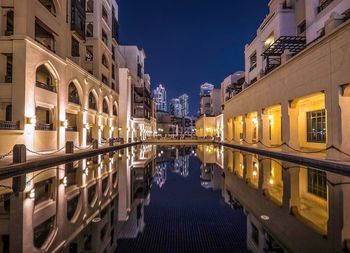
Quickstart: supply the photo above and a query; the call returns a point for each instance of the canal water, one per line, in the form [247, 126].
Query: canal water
[203, 198]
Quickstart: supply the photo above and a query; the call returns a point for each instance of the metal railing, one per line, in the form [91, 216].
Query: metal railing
[44, 127]
[46, 86]
[9, 125]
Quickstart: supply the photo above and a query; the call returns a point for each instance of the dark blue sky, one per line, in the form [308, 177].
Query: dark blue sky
[189, 42]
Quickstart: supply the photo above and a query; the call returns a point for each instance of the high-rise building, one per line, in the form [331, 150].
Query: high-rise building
[175, 107]
[205, 89]
[160, 99]
[184, 105]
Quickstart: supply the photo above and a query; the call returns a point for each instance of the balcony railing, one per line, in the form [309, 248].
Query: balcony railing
[252, 67]
[72, 129]
[324, 5]
[44, 127]
[8, 32]
[45, 86]
[9, 125]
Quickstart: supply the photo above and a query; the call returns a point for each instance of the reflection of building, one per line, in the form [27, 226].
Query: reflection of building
[285, 54]
[159, 98]
[265, 189]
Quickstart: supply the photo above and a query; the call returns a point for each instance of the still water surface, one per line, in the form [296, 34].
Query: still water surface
[202, 198]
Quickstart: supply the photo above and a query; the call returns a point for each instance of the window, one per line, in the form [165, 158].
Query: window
[317, 183]
[104, 61]
[75, 47]
[9, 64]
[44, 35]
[105, 185]
[104, 14]
[104, 79]
[323, 4]
[9, 23]
[252, 60]
[91, 193]
[113, 71]
[92, 101]
[49, 5]
[73, 95]
[8, 116]
[89, 53]
[72, 205]
[115, 110]
[104, 37]
[90, 6]
[90, 30]
[43, 191]
[105, 106]
[316, 126]
[302, 27]
[42, 232]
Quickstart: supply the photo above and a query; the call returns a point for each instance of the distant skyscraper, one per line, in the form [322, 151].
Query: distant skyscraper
[175, 107]
[206, 88]
[159, 97]
[184, 105]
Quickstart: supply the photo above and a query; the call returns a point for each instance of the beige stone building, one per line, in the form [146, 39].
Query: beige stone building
[60, 67]
[301, 100]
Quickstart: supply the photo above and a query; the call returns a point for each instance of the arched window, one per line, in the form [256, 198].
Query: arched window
[90, 30]
[104, 61]
[73, 95]
[90, 6]
[105, 106]
[43, 231]
[92, 101]
[49, 5]
[44, 79]
[9, 113]
[9, 23]
[115, 110]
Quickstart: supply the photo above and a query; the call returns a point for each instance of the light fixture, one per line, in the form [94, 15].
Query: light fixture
[31, 194]
[87, 126]
[31, 120]
[112, 129]
[265, 217]
[64, 181]
[119, 129]
[162, 152]
[270, 117]
[254, 173]
[271, 181]
[101, 127]
[255, 121]
[64, 123]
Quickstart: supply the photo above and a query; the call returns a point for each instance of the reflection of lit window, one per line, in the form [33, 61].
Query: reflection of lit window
[317, 183]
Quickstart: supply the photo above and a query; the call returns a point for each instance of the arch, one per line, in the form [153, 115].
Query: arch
[105, 106]
[115, 109]
[73, 94]
[93, 100]
[105, 61]
[50, 6]
[45, 77]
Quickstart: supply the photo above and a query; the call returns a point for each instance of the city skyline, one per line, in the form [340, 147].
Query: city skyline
[185, 65]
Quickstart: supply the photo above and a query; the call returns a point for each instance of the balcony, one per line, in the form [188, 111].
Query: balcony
[324, 5]
[43, 127]
[45, 86]
[9, 125]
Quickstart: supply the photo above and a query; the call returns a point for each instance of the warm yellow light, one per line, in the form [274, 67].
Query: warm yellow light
[64, 181]
[87, 126]
[31, 120]
[254, 173]
[255, 121]
[64, 123]
[271, 181]
[31, 194]
[270, 117]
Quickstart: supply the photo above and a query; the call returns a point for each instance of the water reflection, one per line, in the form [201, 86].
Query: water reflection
[197, 204]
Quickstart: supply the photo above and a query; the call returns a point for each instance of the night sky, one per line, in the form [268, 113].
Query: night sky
[189, 42]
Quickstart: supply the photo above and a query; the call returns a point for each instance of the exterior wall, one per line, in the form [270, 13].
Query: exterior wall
[215, 101]
[320, 69]
[205, 127]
